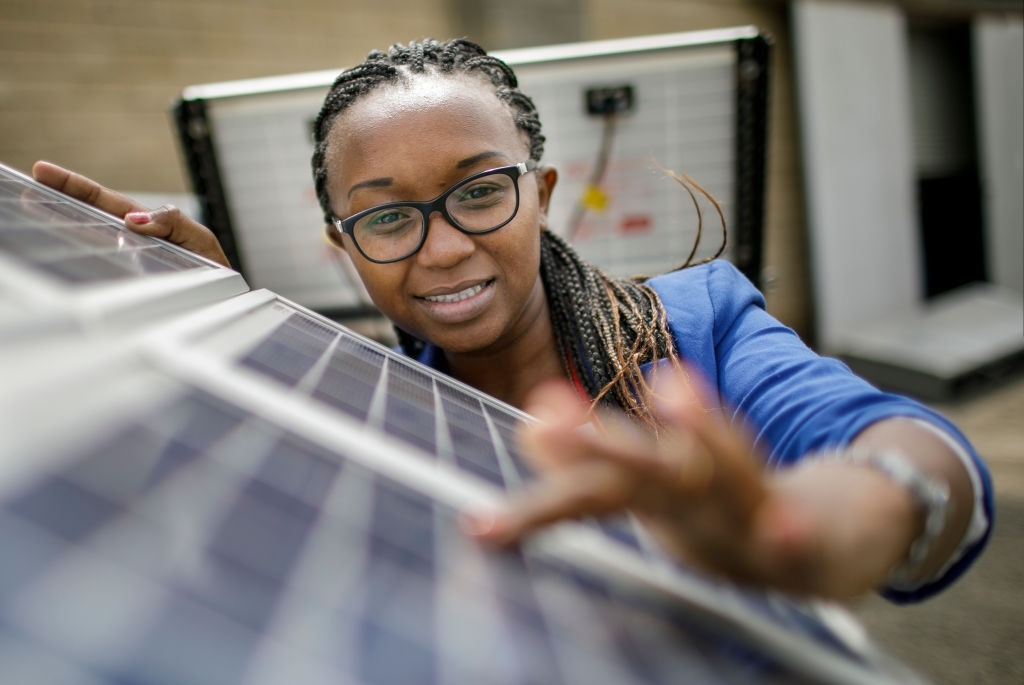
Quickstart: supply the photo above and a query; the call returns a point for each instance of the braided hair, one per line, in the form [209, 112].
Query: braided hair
[605, 328]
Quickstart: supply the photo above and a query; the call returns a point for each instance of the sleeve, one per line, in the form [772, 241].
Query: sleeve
[795, 401]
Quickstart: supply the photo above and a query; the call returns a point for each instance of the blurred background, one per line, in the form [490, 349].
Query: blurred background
[893, 174]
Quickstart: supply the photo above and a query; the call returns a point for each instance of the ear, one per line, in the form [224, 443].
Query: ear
[329, 234]
[547, 177]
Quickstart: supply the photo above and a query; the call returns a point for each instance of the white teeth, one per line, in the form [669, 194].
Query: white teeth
[456, 297]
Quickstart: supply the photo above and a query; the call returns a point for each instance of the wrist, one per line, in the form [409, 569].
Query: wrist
[930, 499]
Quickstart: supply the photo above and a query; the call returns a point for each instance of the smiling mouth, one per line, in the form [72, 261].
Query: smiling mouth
[459, 296]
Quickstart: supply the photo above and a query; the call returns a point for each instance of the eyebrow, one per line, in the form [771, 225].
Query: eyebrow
[372, 183]
[386, 181]
[470, 161]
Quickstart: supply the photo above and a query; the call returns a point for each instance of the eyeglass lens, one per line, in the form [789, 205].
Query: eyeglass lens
[477, 205]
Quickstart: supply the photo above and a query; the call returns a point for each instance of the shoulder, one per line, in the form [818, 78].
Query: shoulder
[704, 303]
[717, 283]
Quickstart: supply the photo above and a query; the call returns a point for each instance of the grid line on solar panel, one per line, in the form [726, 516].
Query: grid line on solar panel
[409, 412]
[471, 443]
[506, 425]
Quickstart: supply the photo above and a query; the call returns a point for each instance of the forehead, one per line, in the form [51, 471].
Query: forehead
[425, 121]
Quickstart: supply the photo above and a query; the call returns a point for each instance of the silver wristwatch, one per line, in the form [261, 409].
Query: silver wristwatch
[930, 496]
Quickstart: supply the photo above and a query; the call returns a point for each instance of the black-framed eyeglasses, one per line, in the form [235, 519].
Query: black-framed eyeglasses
[481, 203]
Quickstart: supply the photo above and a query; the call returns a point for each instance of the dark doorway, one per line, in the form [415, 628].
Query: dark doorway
[946, 157]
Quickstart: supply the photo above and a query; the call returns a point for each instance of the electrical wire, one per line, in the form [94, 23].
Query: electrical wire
[592, 188]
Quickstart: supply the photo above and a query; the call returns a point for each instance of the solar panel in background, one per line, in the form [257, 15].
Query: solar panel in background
[64, 265]
[194, 523]
[699, 106]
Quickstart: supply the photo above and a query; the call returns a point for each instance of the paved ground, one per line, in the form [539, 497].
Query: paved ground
[974, 632]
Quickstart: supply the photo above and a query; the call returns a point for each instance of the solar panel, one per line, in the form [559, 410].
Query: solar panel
[186, 537]
[251, 493]
[65, 265]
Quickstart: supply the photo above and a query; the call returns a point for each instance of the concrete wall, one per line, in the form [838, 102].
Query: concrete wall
[88, 83]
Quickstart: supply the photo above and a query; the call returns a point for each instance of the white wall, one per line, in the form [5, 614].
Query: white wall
[852, 70]
[999, 80]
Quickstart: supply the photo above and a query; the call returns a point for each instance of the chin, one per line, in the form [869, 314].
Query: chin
[466, 342]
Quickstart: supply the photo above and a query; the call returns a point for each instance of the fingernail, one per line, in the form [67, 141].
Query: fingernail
[478, 523]
[138, 218]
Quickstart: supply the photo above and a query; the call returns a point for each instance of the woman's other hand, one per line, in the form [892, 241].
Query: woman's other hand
[166, 222]
[701, 490]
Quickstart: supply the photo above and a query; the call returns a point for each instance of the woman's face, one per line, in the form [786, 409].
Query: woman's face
[464, 293]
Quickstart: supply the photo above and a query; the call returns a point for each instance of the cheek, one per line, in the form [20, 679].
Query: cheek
[519, 256]
[382, 282]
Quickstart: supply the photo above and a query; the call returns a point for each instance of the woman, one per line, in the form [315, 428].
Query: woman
[743, 451]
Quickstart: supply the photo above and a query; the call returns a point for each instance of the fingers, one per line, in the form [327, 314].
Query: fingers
[169, 223]
[84, 189]
[576, 481]
[695, 478]
[561, 418]
[686, 403]
[591, 489]
[695, 485]
[569, 433]
[166, 222]
[590, 469]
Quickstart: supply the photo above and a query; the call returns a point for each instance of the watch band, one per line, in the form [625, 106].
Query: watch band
[930, 496]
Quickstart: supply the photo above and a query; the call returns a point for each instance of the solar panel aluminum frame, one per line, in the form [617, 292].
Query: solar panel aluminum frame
[33, 302]
[198, 137]
[53, 397]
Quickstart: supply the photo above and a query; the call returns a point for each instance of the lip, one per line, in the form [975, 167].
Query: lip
[445, 290]
[472, 298]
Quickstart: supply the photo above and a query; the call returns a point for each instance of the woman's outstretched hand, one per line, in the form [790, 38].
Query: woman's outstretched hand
[702, 491]
[167, 222]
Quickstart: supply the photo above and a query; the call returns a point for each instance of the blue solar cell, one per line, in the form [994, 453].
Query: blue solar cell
[264, 531]
[190, 643]
[88, 269]
[63, 508]
[409, 413]
[401, 529]
[472, 446]
[300, 470]
[290, 351]
[348, 389]
[28, 554]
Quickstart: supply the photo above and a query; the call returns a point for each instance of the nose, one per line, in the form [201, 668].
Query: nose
[445, 246]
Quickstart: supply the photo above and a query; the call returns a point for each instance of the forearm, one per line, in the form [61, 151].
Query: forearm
[862, 520]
